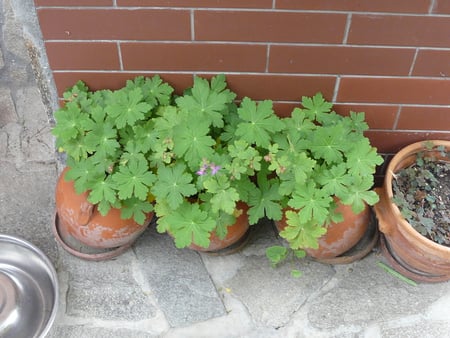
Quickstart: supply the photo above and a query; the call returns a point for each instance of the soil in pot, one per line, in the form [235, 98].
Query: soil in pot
[422, 193]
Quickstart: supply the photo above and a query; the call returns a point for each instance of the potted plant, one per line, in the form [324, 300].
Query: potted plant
[324, 168]
[102, 195]
[207, 153]
[413, 211]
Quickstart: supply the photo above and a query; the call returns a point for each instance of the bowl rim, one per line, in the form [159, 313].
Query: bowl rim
[52, 275]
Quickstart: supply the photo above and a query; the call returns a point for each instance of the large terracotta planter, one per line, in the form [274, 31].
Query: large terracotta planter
[410, 253]
[233, 241]
[78, 218]
[341, 237]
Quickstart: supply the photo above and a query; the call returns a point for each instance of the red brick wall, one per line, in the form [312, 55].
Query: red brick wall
[388, 58]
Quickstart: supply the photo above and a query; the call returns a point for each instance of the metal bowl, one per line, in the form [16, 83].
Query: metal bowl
[28, 289]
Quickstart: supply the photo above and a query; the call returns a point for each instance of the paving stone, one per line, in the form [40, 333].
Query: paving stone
[106, 290]
[271, 294]
[83, 331]
[180, 282]
[37, 141]
[421, 329]
[7, 109]
[14, 142]
[27, 204]
[2, 63]
[3, 144]
[366, 293]
[13, 32]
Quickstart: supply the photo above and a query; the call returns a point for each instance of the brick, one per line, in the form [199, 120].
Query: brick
[103, 24]
[115, 80]
[75, 3]
[194, 57]
[424, 118]
[396, 30]
[394, 90]
[432, 63]
[198, 3]
[441, 7]
[377, 116]
[340, 60]
[280, 87]
[390, 142]
[266, 26]
[399, 6]
[82, 56]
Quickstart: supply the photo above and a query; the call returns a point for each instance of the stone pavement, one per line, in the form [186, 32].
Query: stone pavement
[155, 290]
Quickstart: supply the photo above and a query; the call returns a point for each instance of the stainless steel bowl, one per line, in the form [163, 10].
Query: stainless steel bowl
[28, 289]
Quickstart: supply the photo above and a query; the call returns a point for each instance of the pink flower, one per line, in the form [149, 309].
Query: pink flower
[214, 168]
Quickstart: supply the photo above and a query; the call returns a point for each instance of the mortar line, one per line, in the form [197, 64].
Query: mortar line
[347, 28]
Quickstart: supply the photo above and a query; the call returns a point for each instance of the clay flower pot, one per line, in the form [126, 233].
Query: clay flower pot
[338, 244]
[78, 218]
[237, 235]
[410, 253]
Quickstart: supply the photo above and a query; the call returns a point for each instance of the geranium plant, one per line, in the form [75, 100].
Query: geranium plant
[207, 153]
[107, 137]
[319, 158]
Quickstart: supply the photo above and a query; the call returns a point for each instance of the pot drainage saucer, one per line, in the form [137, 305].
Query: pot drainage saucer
[403, 268]
[80, 250]
[28, 290]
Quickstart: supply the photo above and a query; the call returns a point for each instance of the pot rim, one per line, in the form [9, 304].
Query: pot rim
[393, 167]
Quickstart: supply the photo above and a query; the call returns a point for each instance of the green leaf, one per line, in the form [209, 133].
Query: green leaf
[103, 190]
[134, 180]
[265, 202]
[335, 180]
[136, 209]
[296, 273]
[299, 125]
[189, 224]
[276, 254]
[244, 159]
[299, 253]
[363, 159]
[223, 197]
[76, 148]
[132, 153]
[193, 142]
[173, 185]
[103, 139]
[154, 89]
[260, 122]
[127, 107]
[71, 122]
[359, 192]
[312, 203]
[223, 221]
[329, 143]
[300, 234]
[145, 136]
[207, 103]
[317, 106]
[84, 173]
[358, 121]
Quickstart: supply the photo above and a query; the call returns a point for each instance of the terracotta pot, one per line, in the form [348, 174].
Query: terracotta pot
[81, 219]
[340, 237]
[415, 255]
[234, 239]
